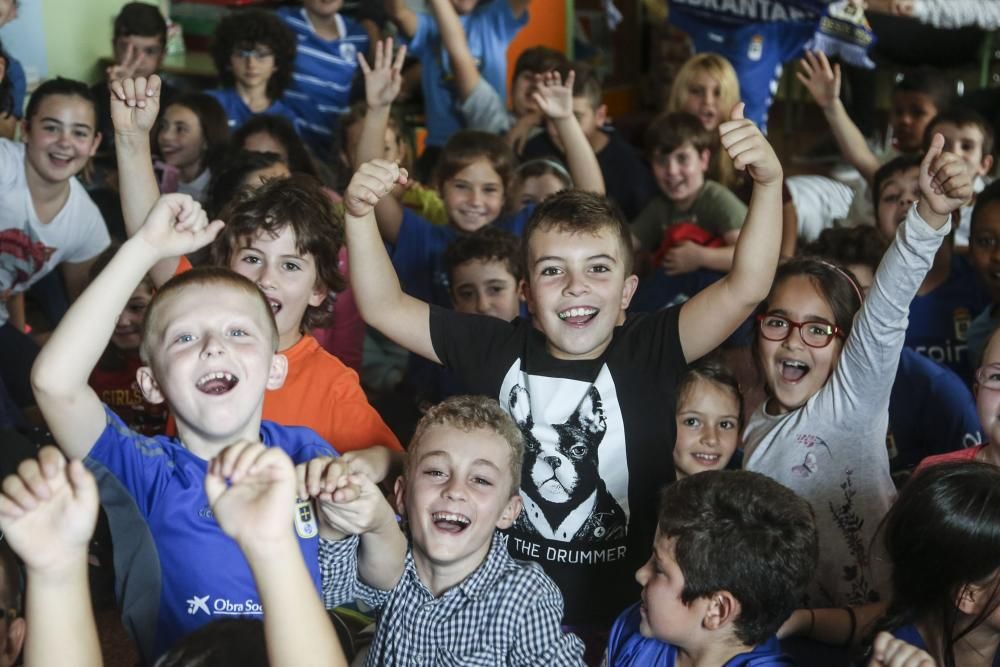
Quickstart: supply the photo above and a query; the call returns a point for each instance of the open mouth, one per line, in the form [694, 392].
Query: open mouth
[793, 371]
[60, 159]
[449, 522]
[706, 459]
[578, 316]
[217, 383]
[275, 305]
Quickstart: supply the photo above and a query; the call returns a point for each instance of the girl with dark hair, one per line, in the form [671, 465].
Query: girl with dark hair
[708, 414]
[193, 135]
[828, 358]
[266, 133]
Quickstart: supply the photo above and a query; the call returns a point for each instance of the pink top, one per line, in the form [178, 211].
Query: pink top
[967, 454]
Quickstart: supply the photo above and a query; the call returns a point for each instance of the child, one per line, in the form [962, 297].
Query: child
[14, 76]
[828, 374]
[941, 537]
[192, 137]
[536, 180]
[210, 361]
[575, 377]
[680, 150]
[265, 133]
[527, 116]
[706, 85]
[473, 176]
[253, 53]
[931, 410]
[325, 65]
[46, 218]
[489, 30]
[484, 272]
[984, 252]
[732, 555]
[950, 294]
[627, 179]
[243, 172]
[709, 413]
[460, 486]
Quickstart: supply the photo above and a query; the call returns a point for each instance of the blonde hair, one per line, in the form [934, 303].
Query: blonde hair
[721, 169]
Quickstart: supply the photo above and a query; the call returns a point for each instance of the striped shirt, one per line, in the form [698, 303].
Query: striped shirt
[321, 83]
[507, 612]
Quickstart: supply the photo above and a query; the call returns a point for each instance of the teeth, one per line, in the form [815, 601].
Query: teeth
[577, 312]
[707, 457]
[448, 516]
[219, 375]
[795, 364]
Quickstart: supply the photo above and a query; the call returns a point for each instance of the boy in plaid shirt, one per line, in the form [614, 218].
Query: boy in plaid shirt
[458, 598]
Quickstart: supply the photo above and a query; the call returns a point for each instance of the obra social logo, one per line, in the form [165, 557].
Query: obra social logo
[222, 607]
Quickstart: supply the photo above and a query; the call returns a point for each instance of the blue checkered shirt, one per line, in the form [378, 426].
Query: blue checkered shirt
[507, 612]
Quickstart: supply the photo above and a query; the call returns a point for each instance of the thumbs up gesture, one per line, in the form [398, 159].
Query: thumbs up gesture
[945, 182]
[748, 148]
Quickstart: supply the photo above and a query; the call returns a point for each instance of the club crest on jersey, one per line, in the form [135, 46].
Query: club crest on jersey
[305, 519]
[962, 319]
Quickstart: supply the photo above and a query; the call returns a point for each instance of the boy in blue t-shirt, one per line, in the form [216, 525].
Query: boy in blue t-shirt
[210, 361]
[327, 59]
[724, 609]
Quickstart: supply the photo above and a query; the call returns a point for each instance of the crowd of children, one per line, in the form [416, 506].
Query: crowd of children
[532, 396]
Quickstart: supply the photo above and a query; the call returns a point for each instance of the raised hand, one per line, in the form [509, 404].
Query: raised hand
[178, 225]
[372, 181]
[48, 511]
[820, 79]
[552, 96]
[126, 68]
[383, 79]
[355, 506]
[256, 508]
[135, 104]
[887, 651]
[749, 149]
[945, 182]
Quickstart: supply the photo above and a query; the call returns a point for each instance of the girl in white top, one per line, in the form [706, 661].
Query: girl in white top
[829, 370]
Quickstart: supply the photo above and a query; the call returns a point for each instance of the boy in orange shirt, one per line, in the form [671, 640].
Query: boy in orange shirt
[285, 237]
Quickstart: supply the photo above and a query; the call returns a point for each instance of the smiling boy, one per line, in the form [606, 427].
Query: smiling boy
[458, 597]
[576, 376]
[210, 360]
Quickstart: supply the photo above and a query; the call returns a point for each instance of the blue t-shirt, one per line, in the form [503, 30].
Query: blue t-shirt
[628, 648]
[939, 321]
[18, 84]
[910, 635]
[175, 568]
[418, 253]
[238, 112]
[757, 38]
[489, 30]
[321, 83]
[931, 411]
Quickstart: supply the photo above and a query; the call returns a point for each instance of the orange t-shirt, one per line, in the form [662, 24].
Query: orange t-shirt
[322, 393]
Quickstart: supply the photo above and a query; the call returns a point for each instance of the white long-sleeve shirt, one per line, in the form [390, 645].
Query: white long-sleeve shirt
[958, 13]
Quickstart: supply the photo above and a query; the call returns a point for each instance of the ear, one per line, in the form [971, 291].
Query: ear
[24, 130]
[524, 289]
[15, 640]
[318, 295]
[722, 609]
[601, 115]
[148, 385]
[986, 165]
[279, 370]
[705, 159]
[628, 290]
[399, 490]
[510, 513]
[95, 145]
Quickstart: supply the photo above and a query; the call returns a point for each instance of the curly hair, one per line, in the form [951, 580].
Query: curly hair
[246, 30]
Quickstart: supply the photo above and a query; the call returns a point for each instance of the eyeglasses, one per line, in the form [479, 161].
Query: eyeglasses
[256, 54]
[813, 334]
[988, 377]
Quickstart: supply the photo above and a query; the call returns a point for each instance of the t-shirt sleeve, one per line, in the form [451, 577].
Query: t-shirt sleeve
[483, 110]
[719, 210]
[464, 341]
[411, 252]
[356, 424]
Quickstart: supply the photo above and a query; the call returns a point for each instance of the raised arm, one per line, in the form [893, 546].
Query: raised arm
[72, 410]
[251, 490]
[48, 511]
[463, 65]
[555, 99]
[709, 317]
[823, 83]
[405, 18]
[135, 104]
[382, 302]
[382, 84]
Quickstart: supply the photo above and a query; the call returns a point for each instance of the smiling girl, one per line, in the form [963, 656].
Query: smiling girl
[192, 137]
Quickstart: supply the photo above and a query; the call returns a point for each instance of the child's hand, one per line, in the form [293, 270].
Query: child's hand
[372, 181]
[135, 104]
[887, 651]
[372, 462]
[820, 79]
[945, 182]
[256, 507]
[355, 506]
[178, 225]
[384, 79]
[48, 511]
[749, 149]
[126, 68]
[685, 257]
[319, 475]
[552, 96]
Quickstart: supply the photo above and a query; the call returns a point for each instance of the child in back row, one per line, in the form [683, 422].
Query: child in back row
[828, 371]
[574, 377]
[286, 237]
[709, 414]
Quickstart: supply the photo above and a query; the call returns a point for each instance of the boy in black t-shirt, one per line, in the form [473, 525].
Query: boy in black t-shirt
[581, 381]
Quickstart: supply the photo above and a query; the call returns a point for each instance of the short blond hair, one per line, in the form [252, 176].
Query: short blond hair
[470, 413]
[201, 277]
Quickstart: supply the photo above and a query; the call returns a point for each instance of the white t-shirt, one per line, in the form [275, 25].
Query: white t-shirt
[29, 249]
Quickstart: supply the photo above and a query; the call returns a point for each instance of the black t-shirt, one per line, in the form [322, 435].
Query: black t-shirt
[599, 438]
[627, 179]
